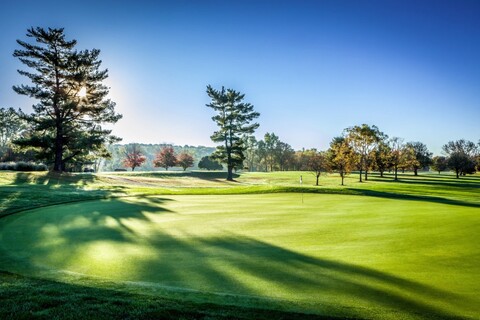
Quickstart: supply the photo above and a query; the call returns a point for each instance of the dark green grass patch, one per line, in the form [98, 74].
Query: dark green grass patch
[30, 298]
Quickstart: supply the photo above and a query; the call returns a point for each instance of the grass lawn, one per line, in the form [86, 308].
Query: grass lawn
[191, 245]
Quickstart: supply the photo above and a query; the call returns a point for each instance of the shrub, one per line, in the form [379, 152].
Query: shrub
[7, 166]
[23, 166]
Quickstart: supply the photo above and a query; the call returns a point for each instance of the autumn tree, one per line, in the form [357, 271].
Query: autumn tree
[342, 157]
[133, 156]
[66, 123]
[423, 158]
[209, 164]
[461, 156]
[317, 163]
[439, 164]
[234, 120]
[165, 158]
[363, 140]
[185, 160]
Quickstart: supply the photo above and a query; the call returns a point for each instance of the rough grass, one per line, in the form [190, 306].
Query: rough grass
[251, 248]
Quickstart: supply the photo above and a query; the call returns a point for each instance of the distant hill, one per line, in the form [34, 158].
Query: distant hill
[149, 150]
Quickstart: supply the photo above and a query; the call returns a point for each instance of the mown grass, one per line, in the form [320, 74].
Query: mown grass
[250, 249]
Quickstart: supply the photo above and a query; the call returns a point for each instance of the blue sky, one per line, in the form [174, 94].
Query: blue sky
[311, 68]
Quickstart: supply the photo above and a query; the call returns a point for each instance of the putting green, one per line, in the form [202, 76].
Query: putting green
[340, 255]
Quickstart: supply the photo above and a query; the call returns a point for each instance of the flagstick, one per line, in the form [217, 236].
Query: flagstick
[301, 183]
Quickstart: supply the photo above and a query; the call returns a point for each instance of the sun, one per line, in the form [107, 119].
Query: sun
[82, 93]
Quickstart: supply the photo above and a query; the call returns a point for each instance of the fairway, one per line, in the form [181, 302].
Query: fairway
[337, 255]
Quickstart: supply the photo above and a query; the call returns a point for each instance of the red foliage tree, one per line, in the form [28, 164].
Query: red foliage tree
[134, 157]
[185, 160]
[166, 158]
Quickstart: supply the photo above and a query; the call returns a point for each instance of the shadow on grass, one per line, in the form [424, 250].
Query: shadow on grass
[33, 190]
[204, 175]
[26, 298]
[392, 195]
[112, 238]
[427, 180]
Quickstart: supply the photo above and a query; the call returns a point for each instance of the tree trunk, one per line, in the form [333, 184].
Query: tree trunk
[396, 170]
[415, 171]
[457, 172]
[366, 175]
[58, 164]
[230, 173]
[361, 173]
[341, 174]
[381, 173]
[317, 178]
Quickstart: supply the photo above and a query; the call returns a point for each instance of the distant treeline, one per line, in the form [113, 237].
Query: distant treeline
[118, 152]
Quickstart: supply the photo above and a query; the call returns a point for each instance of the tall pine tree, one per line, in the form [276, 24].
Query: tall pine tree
[233, 117]
[66, 123]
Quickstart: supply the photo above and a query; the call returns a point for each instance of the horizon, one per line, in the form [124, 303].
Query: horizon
[311, 69]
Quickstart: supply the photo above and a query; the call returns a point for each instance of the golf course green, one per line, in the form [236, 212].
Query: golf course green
[378, 250]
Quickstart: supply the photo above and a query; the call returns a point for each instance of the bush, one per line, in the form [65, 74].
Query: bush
[23, 166]
[7, 166]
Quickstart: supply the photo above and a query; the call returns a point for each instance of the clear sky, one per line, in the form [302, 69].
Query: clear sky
[311, 68]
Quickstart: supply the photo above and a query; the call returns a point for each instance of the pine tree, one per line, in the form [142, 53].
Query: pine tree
[66, 125]
[233, 119]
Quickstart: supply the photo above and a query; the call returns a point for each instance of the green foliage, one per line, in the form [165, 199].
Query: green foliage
[439, 164]
[461, 156]
[423, 158]
[209, 164]
[23, 166]
[11, 127]
[233, 118]
[64, 127]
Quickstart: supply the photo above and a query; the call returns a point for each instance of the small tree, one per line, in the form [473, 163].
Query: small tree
[364, 140]
[422, 156]
[133, 157]
[383, 157]
[209, 164]
[397, 148]
[233, 117]
[341, 156]
[185, 160]
[165, 158]
[439, 164]
[317, 163]
[11, 126]
[461, 156]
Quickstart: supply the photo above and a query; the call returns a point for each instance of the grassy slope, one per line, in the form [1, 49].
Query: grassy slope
[336, 252]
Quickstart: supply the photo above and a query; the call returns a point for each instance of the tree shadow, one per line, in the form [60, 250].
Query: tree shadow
[433, 199]
[218, 176]
[424, 180]
[112, 240]
[28, 190]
